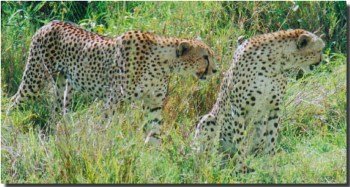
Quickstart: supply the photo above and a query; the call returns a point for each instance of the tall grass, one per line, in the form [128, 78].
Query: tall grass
[40, 147]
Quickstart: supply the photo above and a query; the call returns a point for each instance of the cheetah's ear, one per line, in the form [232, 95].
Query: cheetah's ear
[183, 49]
[303, 41]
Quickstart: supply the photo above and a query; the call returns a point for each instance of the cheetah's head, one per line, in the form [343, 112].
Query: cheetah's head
[196, 57]
[306, 51]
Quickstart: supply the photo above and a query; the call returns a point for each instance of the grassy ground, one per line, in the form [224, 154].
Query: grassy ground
[39, 147]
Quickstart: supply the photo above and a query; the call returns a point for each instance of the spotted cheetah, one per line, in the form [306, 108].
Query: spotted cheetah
[246, 116]
[134, 66]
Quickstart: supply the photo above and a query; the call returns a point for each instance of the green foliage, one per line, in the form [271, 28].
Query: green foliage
[217, 23]
[39, 147]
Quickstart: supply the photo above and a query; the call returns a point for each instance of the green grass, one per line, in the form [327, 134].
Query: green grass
[39, 147]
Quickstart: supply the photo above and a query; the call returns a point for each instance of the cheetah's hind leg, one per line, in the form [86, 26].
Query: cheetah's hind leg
[32, 82]
[207, 130]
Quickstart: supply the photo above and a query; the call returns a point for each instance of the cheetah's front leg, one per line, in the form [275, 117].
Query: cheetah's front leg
[243, 145]
[110, 108]
[67, 97]
[154, 104]
[153, 124]
[272, 131]
[206, 131]
[63, 94]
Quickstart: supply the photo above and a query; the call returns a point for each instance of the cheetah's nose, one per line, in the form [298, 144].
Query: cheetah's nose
[214, 70]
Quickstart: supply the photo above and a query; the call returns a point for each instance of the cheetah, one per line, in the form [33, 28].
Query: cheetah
[134, 66]
[246, 116]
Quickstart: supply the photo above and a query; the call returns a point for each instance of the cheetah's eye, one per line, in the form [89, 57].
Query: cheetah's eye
[206, 57]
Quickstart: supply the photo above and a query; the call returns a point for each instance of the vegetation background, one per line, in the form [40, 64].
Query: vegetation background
[39, 147]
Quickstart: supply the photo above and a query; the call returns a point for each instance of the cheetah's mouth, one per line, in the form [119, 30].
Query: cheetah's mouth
[313, 66]
[308, 68]
[202, 76]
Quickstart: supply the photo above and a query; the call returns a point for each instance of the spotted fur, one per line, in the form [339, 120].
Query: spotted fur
[134, 66]
[246, 115]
